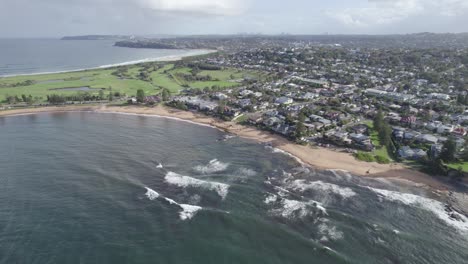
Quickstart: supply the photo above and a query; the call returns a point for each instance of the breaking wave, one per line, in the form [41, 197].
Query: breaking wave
[212, 167]
[450, 217]
[246, 172]
[302, 185]
[292, 209]
[221, 189]
[188, 211]
[328, 232]
[151, 194]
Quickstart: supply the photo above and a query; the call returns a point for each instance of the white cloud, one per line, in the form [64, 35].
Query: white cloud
[209, 7]
[385, 12]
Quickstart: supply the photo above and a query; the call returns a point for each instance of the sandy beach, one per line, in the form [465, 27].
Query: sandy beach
[321, 158]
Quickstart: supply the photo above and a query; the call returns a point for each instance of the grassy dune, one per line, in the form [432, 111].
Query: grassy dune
[165, 77]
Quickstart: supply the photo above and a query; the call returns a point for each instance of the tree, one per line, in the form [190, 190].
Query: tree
[140, 96]
[385, 134]
[378, 121]
[464, 155]
[300, 127]
[449, 150]
[221, 107]
[101, 94]
[111, 96]
[165, 95]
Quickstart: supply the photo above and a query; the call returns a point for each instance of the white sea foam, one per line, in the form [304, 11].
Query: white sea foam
[434, 206]
[160, 166]
[292, 209]
[271, 198]
[302, 185]
[151, 194]
[329, 233]
[246, 172]
[170, 201]
[188, 211]
[185, 181]
[212, 167]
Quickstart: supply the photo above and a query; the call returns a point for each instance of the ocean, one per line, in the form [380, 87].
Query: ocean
[87, 187]
[33, 56]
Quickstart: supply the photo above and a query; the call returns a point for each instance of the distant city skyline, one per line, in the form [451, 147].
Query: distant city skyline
[55, 18]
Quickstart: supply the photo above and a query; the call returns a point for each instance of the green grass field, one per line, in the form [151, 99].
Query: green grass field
[379, 149]
[456, 166]
[165, 77]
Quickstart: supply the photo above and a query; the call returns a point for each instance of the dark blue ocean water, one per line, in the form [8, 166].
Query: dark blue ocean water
[110, 188]
[30, 56]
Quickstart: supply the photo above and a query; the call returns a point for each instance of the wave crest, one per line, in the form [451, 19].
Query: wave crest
[302, 185]
[452, 218]
[173, 178]
[188, 211]
[151, 194]
[212, 167]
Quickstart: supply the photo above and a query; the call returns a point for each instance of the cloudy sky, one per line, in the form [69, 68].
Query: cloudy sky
[52, 18]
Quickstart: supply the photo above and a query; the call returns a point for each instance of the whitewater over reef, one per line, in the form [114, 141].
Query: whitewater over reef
[173, 178]
[439, 209]
[155, 191]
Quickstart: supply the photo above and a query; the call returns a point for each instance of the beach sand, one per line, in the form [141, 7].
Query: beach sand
[321, 158]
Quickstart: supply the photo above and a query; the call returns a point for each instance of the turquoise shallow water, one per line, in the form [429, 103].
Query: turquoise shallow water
[109, 188]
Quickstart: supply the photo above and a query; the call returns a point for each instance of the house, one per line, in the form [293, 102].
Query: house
[408, 120]
[284, 129]
[409, 153]
[427, 139]
[360, 129]
[220, 96]
[459, 132]
[358, 137]
[284, 100]
[132, 100]
[244, 93]
[272, 121]
[445, 129]
[152, 99]
[244, 102]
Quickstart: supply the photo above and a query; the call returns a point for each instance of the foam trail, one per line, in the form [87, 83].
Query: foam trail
[452, 218]
[212, 167]
[151, 194]
[221, 189]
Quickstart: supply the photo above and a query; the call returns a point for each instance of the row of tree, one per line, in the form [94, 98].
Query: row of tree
[13, 99]
[384, 131]
[81, 97]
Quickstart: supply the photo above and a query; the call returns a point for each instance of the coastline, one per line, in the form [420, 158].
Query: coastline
[169, 58]
[320, 158]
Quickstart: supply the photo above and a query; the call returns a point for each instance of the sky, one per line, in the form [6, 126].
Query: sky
[55, 18]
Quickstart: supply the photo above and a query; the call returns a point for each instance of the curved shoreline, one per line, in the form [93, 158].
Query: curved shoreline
[320, 158]
[168, 58]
